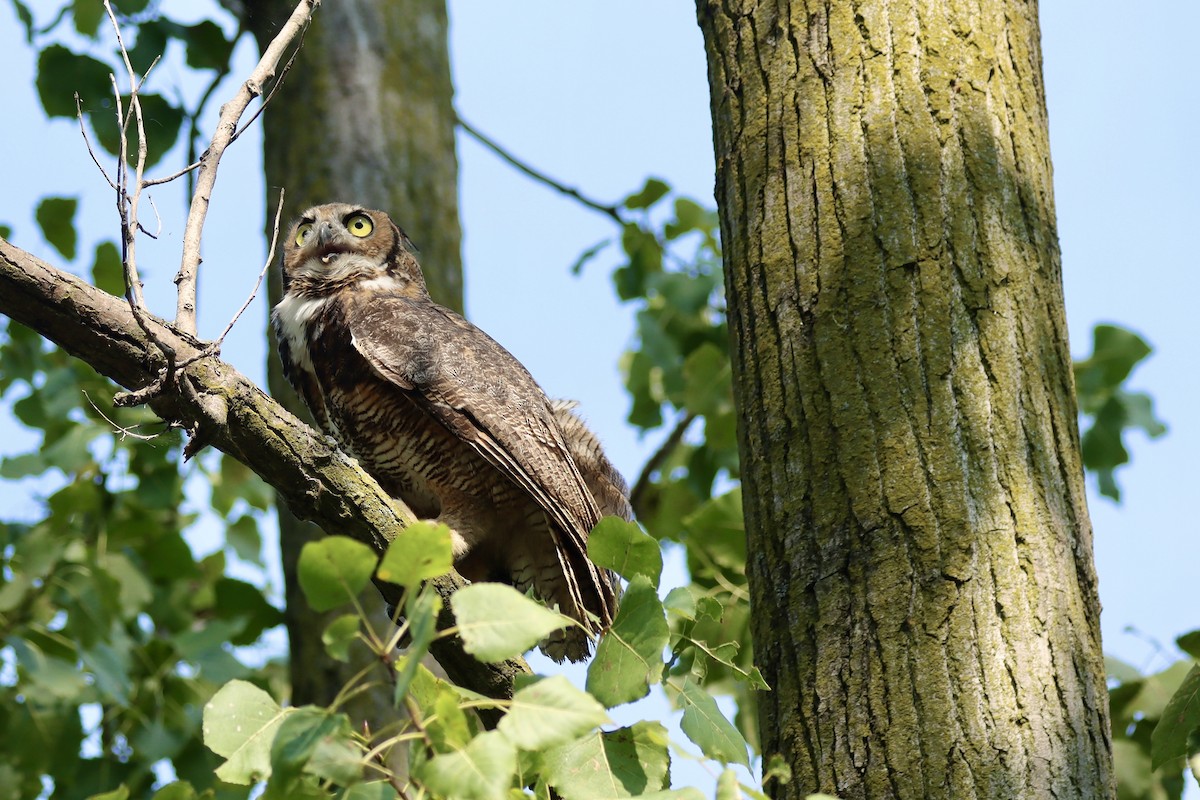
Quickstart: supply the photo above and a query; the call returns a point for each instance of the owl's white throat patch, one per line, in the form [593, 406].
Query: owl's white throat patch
[292, 317]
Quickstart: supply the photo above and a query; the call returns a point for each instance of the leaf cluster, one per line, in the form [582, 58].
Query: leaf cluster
[79, 81]
[115, 631]
[1113, 409]
[550, 734]
[1156, 725]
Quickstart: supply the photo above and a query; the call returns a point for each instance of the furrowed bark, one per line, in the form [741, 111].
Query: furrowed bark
[920, 553]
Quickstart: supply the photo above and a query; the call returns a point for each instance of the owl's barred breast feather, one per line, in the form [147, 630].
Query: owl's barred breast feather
[445, 418]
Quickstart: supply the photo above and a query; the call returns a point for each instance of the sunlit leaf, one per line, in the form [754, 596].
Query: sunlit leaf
[708, 728]
[333, 570]
[550, 712]
[339, 635]
[629, 658]
[419, 552]
[483, 770]
[498, 622]
[622, 547]
[240, 722]
[1180, 717]
[627, 762]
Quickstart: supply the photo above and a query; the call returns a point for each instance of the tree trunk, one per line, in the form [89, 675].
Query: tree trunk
[920, 565]
[365, 116]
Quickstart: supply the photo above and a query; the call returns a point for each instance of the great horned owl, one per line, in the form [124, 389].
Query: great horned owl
[445, 418]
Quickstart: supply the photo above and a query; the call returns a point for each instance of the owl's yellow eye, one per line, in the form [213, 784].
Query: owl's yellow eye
[302, 234]
[359, 225]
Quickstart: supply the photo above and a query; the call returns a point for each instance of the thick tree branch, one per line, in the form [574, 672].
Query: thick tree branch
[317, 481]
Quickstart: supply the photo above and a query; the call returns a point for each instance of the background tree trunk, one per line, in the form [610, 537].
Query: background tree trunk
[920, 555]
[365, 116]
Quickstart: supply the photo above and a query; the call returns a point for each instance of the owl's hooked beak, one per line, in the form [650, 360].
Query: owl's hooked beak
[328, 242]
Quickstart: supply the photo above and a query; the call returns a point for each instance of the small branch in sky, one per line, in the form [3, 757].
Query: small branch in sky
[88, 143]
[231, 112]
[214, 347]
[607, 210]
[127, 202]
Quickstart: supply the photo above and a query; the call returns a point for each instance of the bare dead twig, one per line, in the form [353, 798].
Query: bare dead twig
[88, 143]
[287, 67]
[261, 274]
[123, 431]
[167, 179]
[127, 201]
[214, 347]
[608, 210]
[231, 112]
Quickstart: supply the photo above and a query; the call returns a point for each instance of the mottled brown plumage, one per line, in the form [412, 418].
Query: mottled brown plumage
[444, 417]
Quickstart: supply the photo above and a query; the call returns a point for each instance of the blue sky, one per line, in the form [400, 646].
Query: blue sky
[602, 95]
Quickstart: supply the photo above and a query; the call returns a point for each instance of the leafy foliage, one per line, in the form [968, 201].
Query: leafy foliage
[118, 647]
[115, 632]
[1152, 719]
[1099, 382]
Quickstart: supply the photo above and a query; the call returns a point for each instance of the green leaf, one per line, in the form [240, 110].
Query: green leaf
[421, 609]
[1179, 719]
[1139, 413]
[179, 790]
[622, 547]
[1188, 643]
[373, 790]
[339, 635]
[56, 218]
[498, 622]
[705, 725]
[61, 74]
[1115, 352]
[727, 785]
[110, 671]
[243, 536]
[161, 119]
[681, 602]
[87, 15]
[651, 193]
[241, 601]
[708, 380]
[690, 216]
[717, 527]
[333, 570]
[317, 741]
[629, 657]
[1120, 671]
[207, 47]
[120, 793]
[449, 728]
[107, 272]
[550, 712]
[627, 762]
[483, 770]
[419, 552]
[240, 723]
